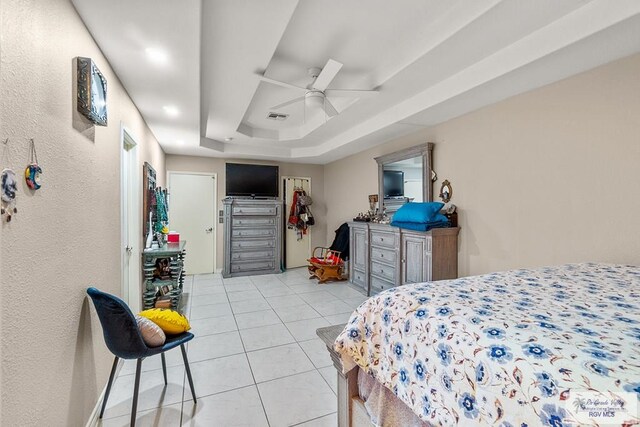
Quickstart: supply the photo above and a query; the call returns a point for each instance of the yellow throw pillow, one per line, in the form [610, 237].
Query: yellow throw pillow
[171, 322]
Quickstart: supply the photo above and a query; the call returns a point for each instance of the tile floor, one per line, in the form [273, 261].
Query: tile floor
[255, 361]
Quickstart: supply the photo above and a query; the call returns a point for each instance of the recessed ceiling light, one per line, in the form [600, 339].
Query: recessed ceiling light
[228, 139]
[171, 110]
[157, 55]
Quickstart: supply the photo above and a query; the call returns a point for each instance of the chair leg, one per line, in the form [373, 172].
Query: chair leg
[186, 366]
[136, 388]
[106, 393]
[164, 368]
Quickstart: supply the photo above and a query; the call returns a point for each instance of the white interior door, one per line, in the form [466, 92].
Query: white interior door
[296, 251]
[192, 214]
[130, 217]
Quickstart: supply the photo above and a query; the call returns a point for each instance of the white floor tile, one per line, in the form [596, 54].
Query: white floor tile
[212, 346]
[319, 296]
[153, 392]
[218, 375]
[249, 306]
[210, 310]
[305, 288]
[330, 308]
[285, 301]
[304, 330]
[275, 291]
[296, 312]
[295, 279]
[330, 420]
[297, 398]
[208, 299]
[202, 289]
[256, 319]
[235, 408]
[236, 280]
[344, 292]
[355, 302]
[244, 295]
[338, 319]
[265, 336]
[330, 375]
[213, 325]
[173, 357]
[278, 362]
[239, 287]
[159, 417]
[317, 351]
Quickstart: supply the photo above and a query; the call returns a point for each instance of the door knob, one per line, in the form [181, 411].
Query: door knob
[129, 249]
[209, 230]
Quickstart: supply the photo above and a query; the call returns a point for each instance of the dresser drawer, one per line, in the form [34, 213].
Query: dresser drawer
[253, 232]
[383, 271]
[254, 210]
[379, 285]
[359, 278]
[253, 222]
[240, 267]
[387, 256]
[252, 244]
[384, 240]
[265, 255]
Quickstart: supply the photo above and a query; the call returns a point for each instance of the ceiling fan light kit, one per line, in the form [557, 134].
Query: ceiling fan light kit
[316, 93]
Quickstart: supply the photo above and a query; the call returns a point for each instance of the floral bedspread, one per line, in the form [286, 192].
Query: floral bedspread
[503, 349]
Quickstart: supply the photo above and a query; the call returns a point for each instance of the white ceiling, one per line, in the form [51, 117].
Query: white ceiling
[430, 61]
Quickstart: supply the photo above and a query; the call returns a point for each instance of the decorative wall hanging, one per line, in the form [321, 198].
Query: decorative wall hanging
[9, 186]
[92, 92]
[446, 191]
[33, 171]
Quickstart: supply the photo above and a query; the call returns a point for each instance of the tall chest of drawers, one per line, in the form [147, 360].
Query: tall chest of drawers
[383, 256]
[252, 237]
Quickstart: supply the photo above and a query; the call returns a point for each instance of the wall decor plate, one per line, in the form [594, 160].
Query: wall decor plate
[92, 92]
[9, 185]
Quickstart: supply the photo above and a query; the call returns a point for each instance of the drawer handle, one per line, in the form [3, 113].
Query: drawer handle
[382, 239]
[381, 255]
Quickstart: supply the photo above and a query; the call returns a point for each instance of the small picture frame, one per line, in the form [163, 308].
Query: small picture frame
[165, 290]
[92, 92]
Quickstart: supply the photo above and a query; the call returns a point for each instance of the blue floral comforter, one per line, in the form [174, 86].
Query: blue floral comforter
[502, 349]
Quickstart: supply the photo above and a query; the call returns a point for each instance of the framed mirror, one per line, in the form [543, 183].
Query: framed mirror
[405, 176]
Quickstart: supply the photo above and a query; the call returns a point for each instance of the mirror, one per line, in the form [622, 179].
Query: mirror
[405, 176]
[446, 191]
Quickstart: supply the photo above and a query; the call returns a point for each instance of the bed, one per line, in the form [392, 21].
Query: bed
[503, 349]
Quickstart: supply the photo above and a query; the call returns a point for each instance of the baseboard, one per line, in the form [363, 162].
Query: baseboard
[95, 413]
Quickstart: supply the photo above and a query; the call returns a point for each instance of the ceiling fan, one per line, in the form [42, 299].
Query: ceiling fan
[316, 93]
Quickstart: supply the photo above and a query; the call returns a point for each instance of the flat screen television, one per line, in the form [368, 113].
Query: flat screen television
[393, 183]
[252, 180]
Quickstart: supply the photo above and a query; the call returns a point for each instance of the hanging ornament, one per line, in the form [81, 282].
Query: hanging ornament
[9, 188]
[33, 171]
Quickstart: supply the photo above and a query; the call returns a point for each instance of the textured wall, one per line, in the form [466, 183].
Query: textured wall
[213, 165]
[546, 177]
[66, 236]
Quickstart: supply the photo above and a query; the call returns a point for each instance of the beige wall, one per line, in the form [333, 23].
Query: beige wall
[546, 177]
[66, 236]
[214, 165]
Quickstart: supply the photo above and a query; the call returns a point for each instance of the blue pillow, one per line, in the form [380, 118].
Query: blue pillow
[421, 227]
[418, 212]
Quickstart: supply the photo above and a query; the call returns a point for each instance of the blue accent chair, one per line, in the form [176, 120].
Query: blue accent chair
[124, 340]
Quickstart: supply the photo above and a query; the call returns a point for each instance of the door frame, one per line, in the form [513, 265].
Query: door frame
[286, 213]
[131, 221]
[215, 206]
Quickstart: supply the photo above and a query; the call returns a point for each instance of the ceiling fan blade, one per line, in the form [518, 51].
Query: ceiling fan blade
[279, 83]
[284, 104]
[344, 93]
[329, 108]
[327, 74]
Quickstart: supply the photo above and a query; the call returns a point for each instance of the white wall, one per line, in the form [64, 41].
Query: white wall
[66, 236]
[547, 177]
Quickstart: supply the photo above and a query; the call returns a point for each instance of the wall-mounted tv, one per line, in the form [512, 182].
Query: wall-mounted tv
[393, 183]
[252, 180]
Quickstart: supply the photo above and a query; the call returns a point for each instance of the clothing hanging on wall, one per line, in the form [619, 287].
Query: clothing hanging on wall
[341, 241]
[300, 216]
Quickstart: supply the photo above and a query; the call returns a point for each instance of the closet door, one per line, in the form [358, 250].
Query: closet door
[416, 258]
[297, 249]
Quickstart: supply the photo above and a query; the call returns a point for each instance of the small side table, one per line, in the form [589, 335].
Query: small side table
[176, 253]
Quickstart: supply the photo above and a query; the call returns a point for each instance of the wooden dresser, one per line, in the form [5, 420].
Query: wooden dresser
[252, 237]
[383, 256]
